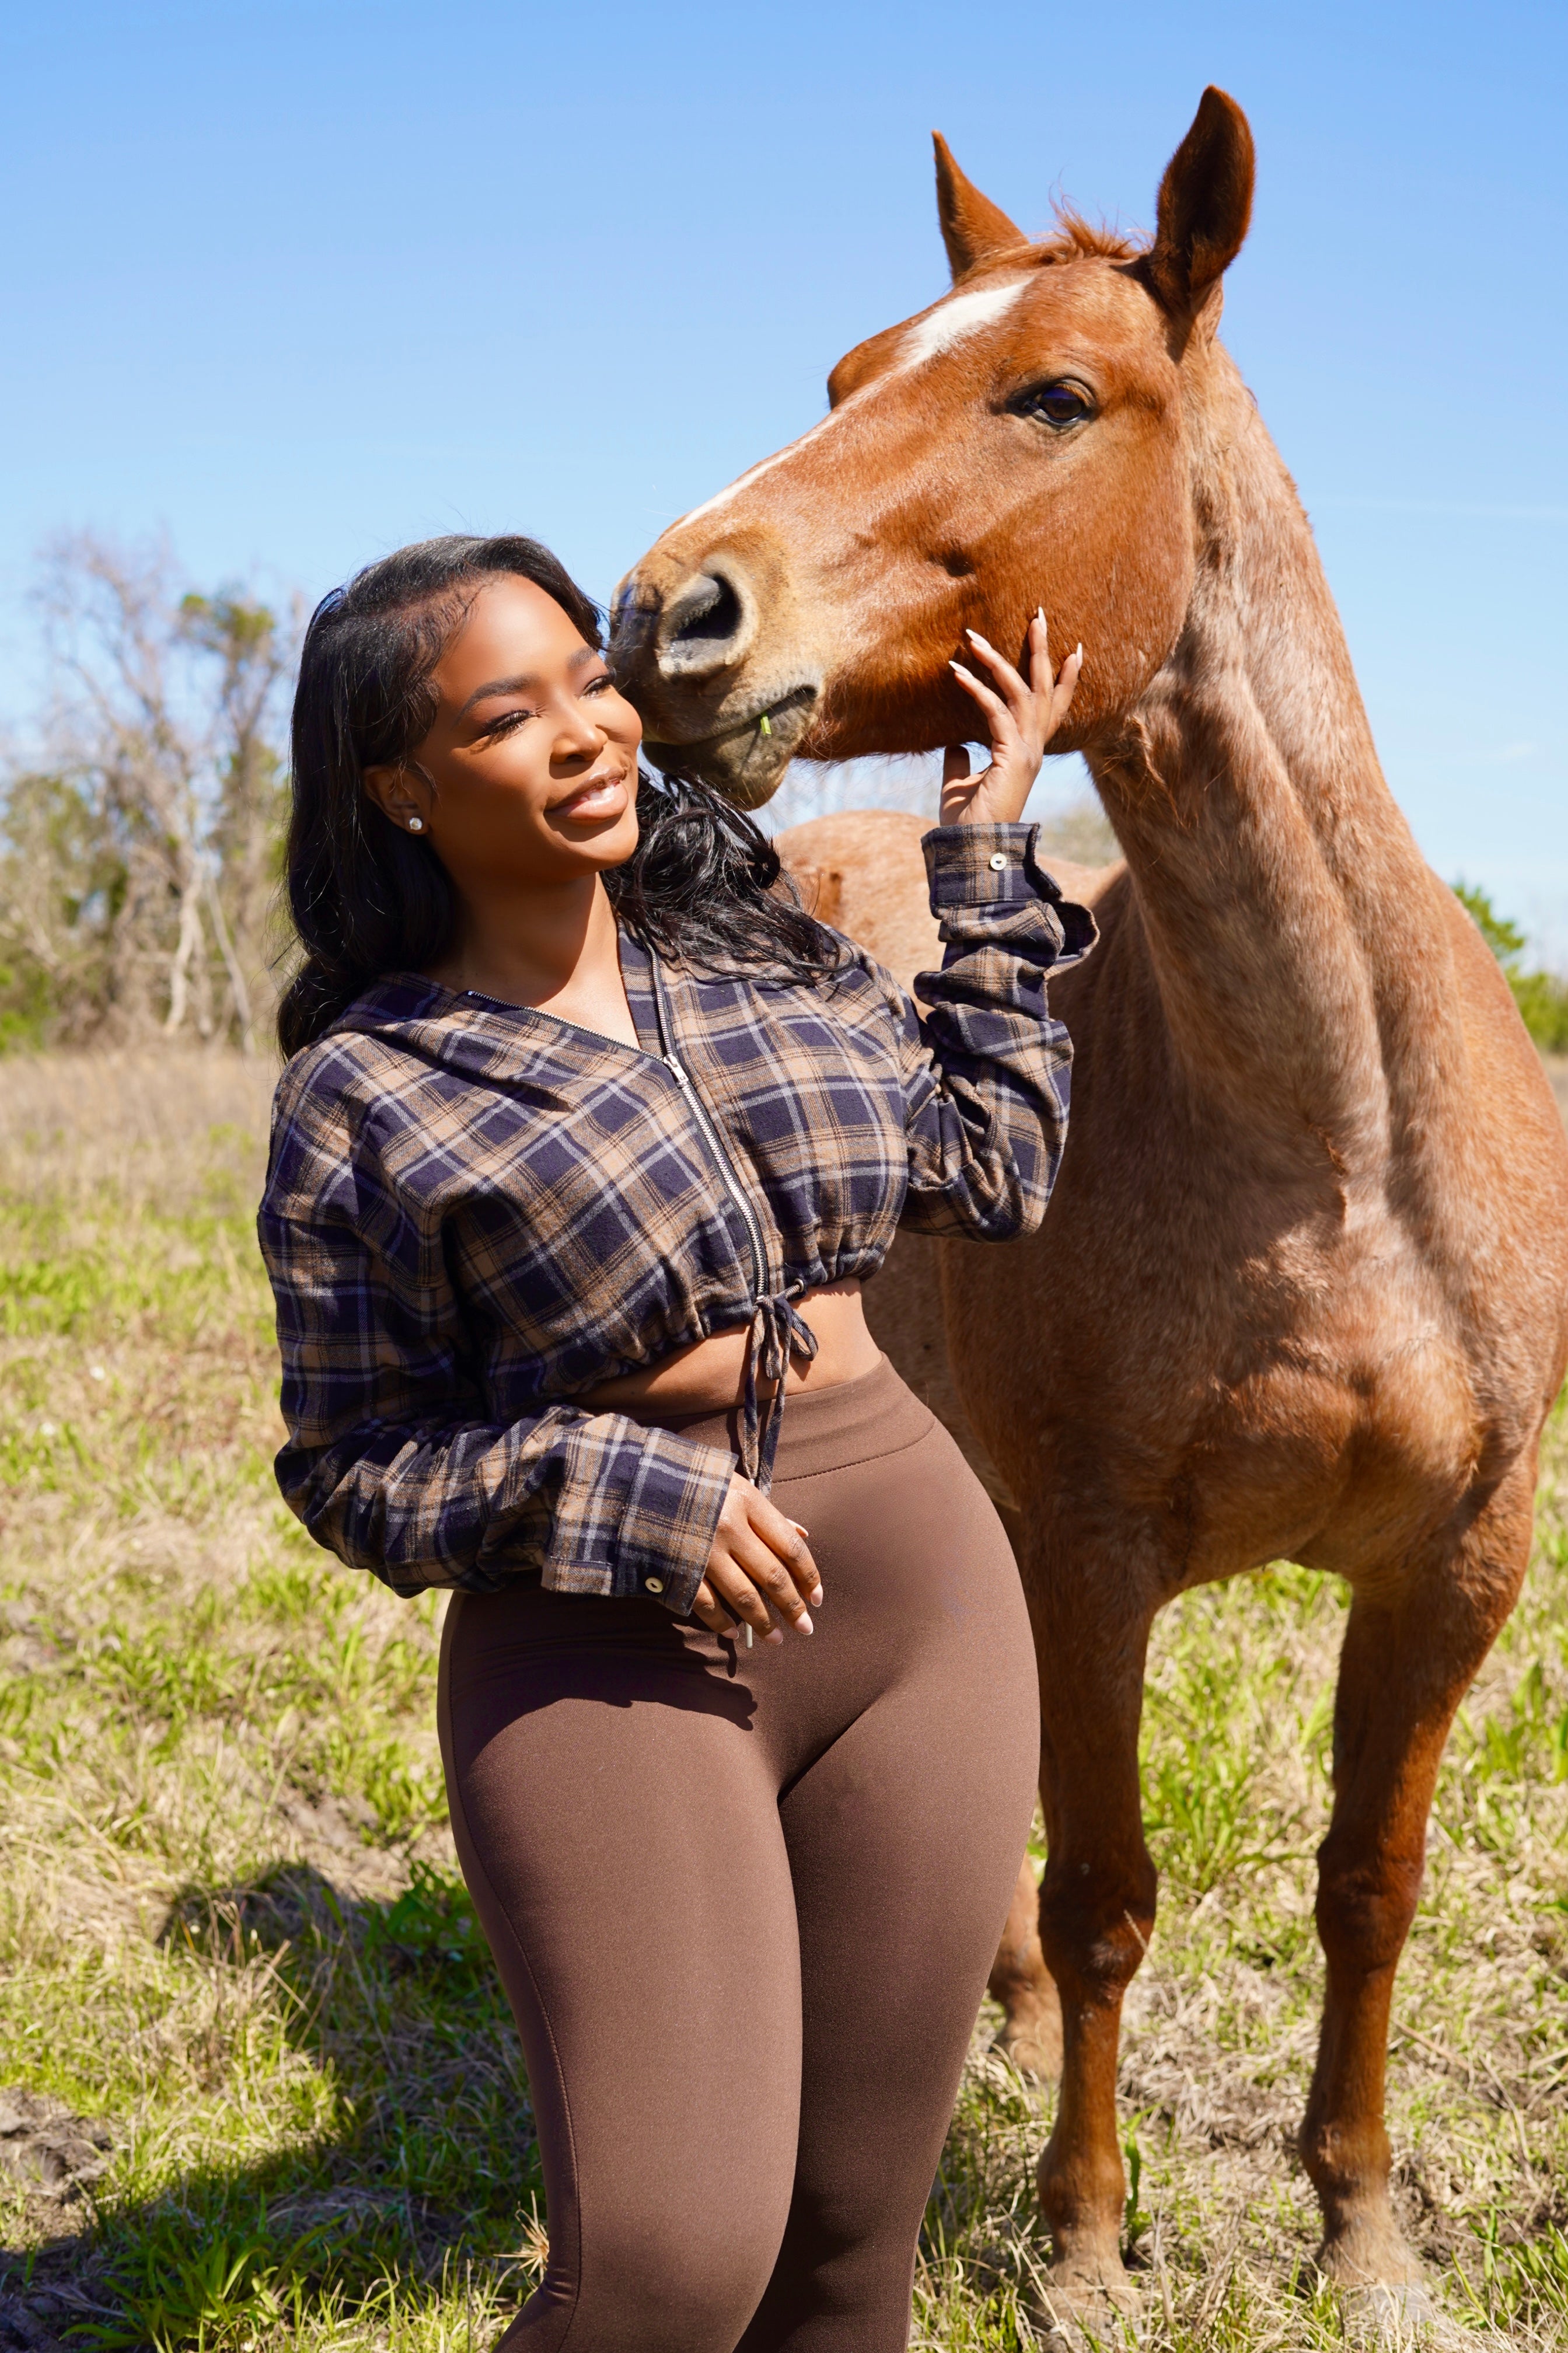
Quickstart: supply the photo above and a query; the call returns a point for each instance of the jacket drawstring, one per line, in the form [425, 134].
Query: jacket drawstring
[777, 1334]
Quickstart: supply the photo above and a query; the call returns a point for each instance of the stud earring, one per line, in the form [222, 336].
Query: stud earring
[415, 825]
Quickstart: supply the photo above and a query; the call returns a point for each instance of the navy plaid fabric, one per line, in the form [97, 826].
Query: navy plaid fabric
[475, 1211]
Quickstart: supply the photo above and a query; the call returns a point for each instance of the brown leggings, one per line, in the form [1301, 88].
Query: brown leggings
[744, 1902]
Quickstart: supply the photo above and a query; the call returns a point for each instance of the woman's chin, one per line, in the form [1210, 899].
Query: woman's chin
[608, 841]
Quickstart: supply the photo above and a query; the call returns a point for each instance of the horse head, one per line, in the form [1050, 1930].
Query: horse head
[1030, 439]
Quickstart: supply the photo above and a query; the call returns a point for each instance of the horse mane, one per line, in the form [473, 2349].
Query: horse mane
[1076, 239]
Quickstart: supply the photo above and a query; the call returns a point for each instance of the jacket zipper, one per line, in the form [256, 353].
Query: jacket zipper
[718, 1150]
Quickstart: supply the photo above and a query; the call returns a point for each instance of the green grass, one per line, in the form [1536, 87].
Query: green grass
[232, 1932]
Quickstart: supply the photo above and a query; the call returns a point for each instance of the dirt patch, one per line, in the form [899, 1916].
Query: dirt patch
[45, 2148]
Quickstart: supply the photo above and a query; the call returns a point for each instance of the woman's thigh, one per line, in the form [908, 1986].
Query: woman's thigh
[904, 1838]
[619, 1830]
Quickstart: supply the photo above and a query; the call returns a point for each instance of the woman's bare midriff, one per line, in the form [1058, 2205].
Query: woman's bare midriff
[707, 1377]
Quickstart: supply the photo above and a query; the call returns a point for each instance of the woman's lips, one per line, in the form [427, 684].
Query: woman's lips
[595, 798]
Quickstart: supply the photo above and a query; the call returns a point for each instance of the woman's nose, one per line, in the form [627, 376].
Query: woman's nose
[579, 735]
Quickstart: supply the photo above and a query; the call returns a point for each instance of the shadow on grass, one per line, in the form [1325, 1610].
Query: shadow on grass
[427, 2185]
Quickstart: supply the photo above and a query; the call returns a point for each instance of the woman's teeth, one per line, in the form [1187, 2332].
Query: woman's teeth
[595, 796]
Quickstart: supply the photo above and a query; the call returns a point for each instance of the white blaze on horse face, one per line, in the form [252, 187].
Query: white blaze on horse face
[960, 315]
[949, 323]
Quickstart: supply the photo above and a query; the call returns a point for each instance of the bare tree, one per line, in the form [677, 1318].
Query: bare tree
[253, 656]
[139, 853]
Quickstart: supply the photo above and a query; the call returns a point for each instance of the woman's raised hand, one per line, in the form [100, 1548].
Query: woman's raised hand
[757, 1556]
[1022, 713]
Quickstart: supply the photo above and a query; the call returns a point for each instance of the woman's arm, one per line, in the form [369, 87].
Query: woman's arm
[392, 1464]
[985, 1068]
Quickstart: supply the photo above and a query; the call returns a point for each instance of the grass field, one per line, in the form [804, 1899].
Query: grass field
[257, 2086]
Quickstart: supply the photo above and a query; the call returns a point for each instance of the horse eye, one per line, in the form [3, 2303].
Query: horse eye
[1054, 404]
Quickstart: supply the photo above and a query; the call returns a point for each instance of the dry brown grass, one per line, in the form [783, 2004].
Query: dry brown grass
[121, 1130]
[231, 1933]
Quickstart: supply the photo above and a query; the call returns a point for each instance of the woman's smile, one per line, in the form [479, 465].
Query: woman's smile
[595, 796]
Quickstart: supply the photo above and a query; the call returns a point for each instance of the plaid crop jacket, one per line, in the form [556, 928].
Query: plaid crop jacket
[475, 1212]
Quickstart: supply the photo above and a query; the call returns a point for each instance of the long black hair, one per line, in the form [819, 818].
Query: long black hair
[367, 899]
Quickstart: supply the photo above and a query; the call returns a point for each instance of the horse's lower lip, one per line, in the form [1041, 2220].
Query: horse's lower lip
[745, 758]
[785, 715]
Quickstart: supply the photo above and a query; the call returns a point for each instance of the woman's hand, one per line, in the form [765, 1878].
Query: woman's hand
[757, 1552]
[1020, 718]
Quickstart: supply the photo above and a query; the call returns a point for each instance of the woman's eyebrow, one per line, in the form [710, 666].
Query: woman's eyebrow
[521, 684]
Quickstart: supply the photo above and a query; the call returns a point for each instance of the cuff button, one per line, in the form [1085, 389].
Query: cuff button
[997, 860]
[654, 1584]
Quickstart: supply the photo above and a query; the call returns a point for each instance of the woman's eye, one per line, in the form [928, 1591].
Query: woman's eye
[507, 722]
[597, 685]
[1054, 404]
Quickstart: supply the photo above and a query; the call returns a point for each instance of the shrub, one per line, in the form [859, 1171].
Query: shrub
[1541, 996]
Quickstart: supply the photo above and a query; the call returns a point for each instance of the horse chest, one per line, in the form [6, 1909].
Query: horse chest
[1309, 1397]
[1346, 1418]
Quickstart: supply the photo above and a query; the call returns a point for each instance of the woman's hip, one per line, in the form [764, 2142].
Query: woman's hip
[918, 1576]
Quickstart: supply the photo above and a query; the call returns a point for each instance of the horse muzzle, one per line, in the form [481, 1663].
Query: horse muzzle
[685, 648]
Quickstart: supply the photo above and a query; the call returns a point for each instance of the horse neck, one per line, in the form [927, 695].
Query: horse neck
[1287, 914]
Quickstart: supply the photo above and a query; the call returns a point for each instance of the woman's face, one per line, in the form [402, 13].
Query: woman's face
[528, 773]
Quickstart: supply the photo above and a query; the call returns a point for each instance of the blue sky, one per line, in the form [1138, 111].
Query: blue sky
[295, 282]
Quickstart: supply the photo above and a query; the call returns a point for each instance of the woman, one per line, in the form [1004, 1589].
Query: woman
[588, 1140]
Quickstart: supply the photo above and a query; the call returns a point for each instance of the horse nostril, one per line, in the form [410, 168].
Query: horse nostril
[712, 613]
[707, 627]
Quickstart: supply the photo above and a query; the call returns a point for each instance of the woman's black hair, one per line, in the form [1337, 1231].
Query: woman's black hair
[368, 899]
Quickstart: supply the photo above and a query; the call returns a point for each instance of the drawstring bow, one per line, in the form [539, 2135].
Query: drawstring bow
[777, 1334]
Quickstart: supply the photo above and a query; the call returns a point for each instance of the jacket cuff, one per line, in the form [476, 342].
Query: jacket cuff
[985, 866]
[982, 878]
[645, 1525]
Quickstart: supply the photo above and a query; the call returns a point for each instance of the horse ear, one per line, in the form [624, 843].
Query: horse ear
[973, 228]
[1206, 203]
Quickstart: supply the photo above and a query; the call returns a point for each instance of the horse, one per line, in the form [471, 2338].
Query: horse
[1302, 1289]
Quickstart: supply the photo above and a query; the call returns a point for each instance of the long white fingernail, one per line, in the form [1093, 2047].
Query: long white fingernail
[796, 1523]
[803, 1622]
[816, 1597]
[775, 1637]
[1039, 612]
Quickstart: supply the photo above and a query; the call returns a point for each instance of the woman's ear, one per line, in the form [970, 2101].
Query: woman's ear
[403, 796]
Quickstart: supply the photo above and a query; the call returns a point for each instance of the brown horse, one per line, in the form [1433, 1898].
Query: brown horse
[1304, 1289]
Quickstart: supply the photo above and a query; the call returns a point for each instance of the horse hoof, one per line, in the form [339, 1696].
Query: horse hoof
[1085, 2307]
[1385, 2318]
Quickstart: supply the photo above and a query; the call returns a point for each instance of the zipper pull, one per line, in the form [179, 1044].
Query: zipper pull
[676, 1071]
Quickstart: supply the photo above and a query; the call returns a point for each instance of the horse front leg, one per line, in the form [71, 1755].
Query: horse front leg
[1411, 1652]
[1096, 1901]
